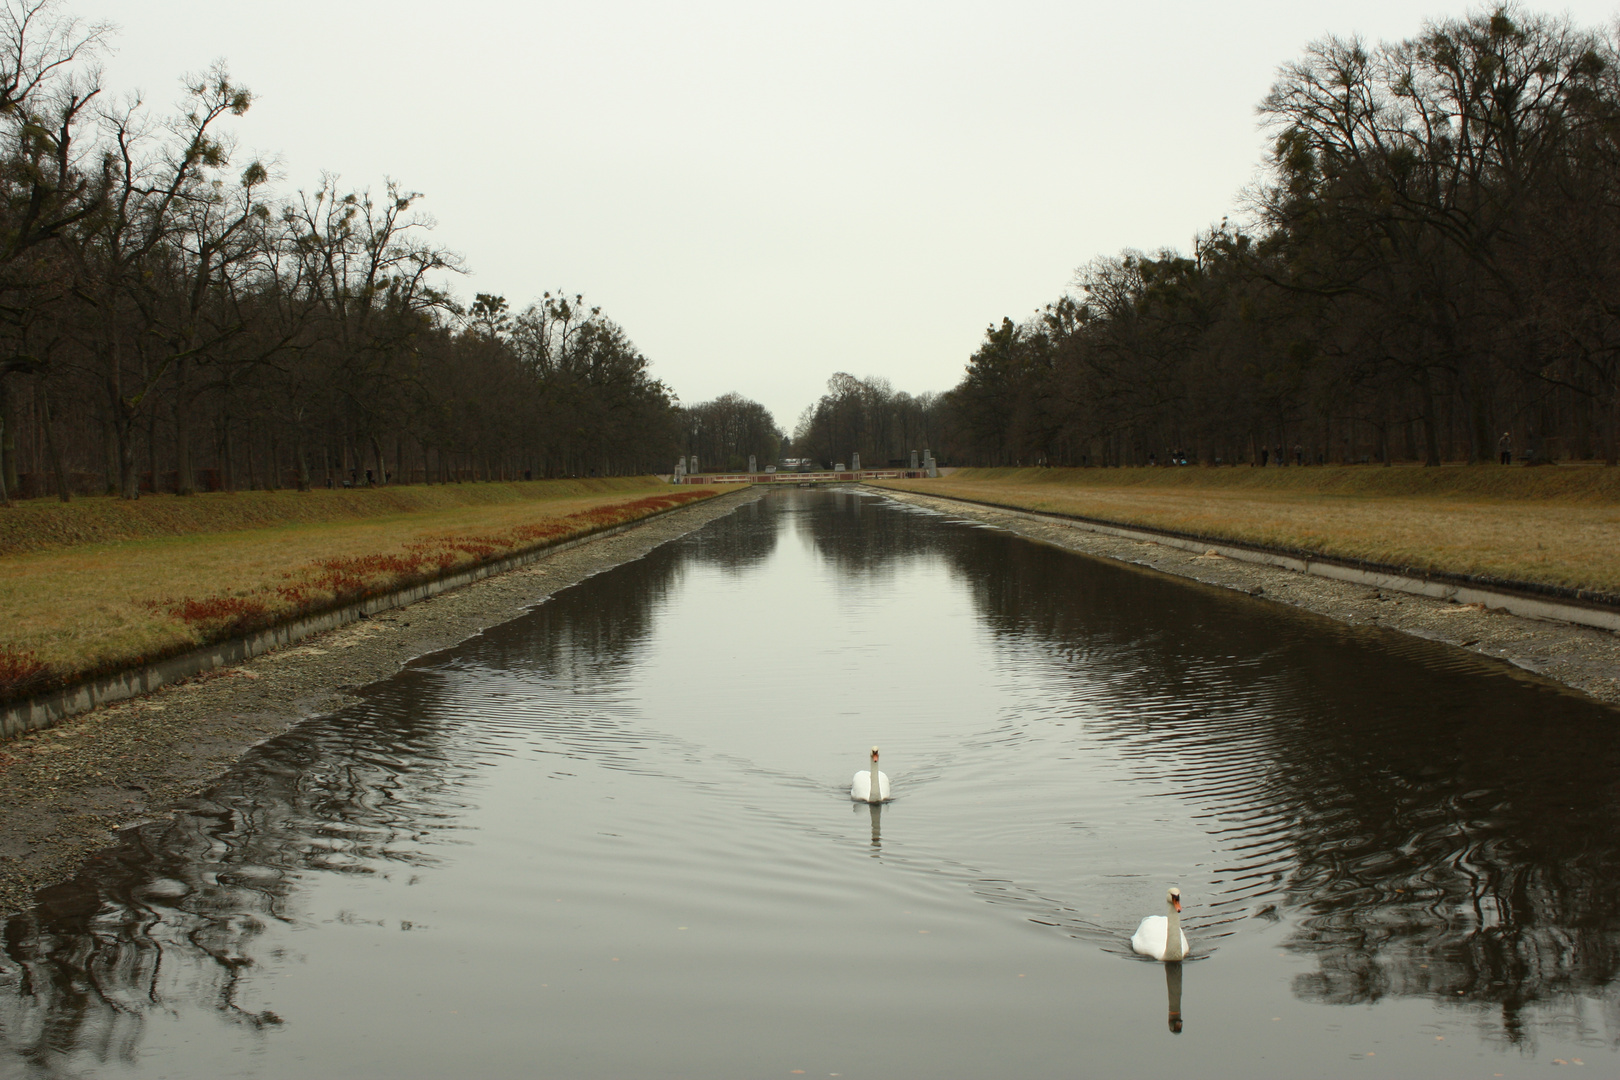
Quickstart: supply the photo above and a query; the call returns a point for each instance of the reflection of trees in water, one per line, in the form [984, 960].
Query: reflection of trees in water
[167, 917]
[743, 538]
[864, 534]
[1443, 826]
[584, 631]
[581, 631]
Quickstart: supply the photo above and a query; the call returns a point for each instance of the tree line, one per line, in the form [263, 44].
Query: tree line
[724, 433]
[869, 417]
[169, 321]
[1429, 270]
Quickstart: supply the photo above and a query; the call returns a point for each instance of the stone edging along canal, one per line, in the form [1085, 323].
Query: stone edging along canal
[1524, 598]
[67, 790]
[1569, 643]
[50, 708]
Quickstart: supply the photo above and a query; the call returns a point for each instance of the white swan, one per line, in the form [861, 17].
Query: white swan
[870, 786]
[1160, 936]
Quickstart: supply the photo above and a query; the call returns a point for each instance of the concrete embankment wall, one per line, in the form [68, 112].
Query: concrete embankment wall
[1526, 599]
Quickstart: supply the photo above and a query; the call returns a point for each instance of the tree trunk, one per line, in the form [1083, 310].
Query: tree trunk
[247, 452]
[128, 483]
[185, 481]
[51, 449]
[124, 442]
[129, 480]
[1479, 425]
[382, 464]
[1431, 437]
[109, 458]
[301, 459]
[122, 420]
[1611, 441]
[227, 466]
[5, 489]
[8, 442]
[151, 449]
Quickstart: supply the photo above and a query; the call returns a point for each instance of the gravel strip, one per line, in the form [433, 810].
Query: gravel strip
[66, 789]
[1583, 658]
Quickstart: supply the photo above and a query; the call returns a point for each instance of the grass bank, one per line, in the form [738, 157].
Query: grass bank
[38, 524]
[165, 575]
[1554, 526]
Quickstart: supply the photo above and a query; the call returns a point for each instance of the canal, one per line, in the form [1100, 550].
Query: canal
[613, 838]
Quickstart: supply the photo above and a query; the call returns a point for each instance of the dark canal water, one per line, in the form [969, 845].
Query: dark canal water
[613, 839]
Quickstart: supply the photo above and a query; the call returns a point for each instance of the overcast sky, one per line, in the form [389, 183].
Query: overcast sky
[765, 193]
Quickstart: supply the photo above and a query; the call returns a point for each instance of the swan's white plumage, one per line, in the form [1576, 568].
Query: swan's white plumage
[1154, 937]
[861, 788]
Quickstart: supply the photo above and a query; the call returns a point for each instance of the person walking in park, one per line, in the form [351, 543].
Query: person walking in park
[1504, 447]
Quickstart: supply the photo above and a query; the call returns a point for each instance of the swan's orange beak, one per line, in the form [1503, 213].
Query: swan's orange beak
[1178, 904]
[874, 755]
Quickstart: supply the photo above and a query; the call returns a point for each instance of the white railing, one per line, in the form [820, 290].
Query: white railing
[825, 477]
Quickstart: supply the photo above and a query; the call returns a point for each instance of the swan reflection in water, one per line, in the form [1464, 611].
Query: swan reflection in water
[876, 810]
[1172, 986]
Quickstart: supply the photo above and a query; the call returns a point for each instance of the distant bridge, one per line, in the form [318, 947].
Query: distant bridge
[831, 477]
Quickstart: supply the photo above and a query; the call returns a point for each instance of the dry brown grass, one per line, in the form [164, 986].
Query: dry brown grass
[1554, 526]
[67, 612]
[36, 524]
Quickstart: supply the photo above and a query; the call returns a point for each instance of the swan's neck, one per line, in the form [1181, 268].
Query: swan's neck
[1172, 935]
[1172, 983]
[876, 794]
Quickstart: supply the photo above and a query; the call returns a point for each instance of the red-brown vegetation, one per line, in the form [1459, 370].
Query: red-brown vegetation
[20, 670]
[232, 613]
[328, 583]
